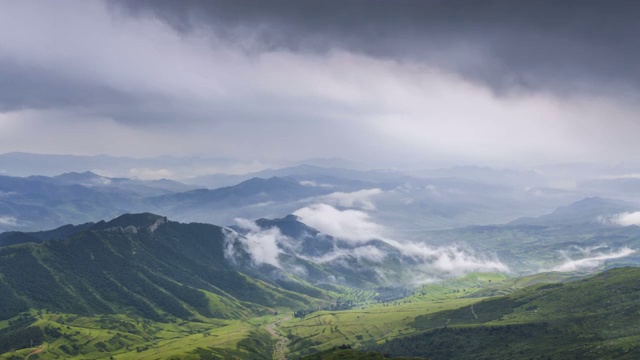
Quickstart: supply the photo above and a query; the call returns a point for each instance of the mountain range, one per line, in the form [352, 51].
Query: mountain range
[145, 266]
[408, 204]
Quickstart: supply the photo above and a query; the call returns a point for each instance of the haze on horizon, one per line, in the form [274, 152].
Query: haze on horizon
[486, 82]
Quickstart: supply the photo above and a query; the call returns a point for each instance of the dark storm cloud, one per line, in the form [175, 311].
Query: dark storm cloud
[30, 87]
[536, 45]
[371, 81]
[24, 87]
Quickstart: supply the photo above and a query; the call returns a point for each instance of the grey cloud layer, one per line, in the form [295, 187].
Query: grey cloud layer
[374, 81]
[559, 45]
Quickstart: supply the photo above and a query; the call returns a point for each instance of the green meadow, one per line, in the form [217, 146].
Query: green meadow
[489, 315]
[122, 337]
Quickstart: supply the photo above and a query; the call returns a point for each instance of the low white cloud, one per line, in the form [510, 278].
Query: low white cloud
[367, 252]
[261, 244]
[351, 225]
[8, 221]
[623, 219]
[357, 227]
[370, 253]
[247, 225]
[150, 174]
[592, 259]
[360, 199]
[315, 184]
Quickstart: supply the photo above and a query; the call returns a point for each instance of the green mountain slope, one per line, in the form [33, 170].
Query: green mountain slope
[140, 264]
[594, 318]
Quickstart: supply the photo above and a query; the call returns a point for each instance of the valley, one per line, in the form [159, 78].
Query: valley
[326, 281]
[438, 316]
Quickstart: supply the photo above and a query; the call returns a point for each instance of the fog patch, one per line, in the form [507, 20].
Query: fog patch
[367, 252]
[8, 221]
[315, 184]
[453, 260]
[591, 259]
[150, 174]
[357, 228]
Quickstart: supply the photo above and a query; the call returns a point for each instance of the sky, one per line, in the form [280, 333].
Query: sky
[486, 82]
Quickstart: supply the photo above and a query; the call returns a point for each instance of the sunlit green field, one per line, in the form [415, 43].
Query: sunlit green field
[123, 337]
[378, 322]
[370, 322]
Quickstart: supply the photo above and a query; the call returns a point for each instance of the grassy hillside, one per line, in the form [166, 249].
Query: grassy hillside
[382, 320]
[68, 336]
[349, 354]
[137, 266]
[594, 318]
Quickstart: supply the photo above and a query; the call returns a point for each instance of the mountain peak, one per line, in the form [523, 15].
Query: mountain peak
[78, 175]
[141, 220]
[291, 217]
[86, 178]
[595, 203]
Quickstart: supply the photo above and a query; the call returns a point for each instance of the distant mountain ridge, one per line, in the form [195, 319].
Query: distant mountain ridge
[590, 210]
[26, 164]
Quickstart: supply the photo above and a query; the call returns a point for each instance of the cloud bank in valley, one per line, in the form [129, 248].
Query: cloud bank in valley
[359, 229]
[356, 240]
[589, 258]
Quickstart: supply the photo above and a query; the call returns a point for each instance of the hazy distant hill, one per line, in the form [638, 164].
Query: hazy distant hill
[486, 174]
[302, 172]
[142, 187]
[34, 203]
[41, 202]
[26, 164]
[254, 190]
[587, 211]
[578, 236]
[252, 198]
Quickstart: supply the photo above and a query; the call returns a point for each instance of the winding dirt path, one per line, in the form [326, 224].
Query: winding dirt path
[40, 349]
[279, 353]
[473, 312]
